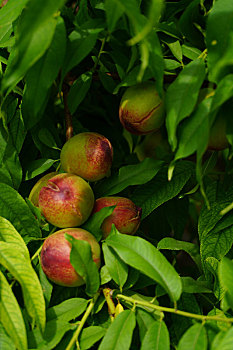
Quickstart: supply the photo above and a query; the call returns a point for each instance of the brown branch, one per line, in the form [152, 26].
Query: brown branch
[68, 116]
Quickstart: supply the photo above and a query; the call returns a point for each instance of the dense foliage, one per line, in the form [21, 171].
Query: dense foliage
[64, 66]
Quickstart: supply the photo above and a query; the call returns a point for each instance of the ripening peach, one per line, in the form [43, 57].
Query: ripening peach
[126, 216]
[55, 256]
[66, 201]
[88, 155]
[141, 109]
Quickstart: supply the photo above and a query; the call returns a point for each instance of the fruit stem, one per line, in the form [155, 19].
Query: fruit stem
[74, 338]
[174, 310]
[111, 305]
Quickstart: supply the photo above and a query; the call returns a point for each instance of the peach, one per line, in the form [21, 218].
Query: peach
[88, 155]
[66, 201]
[55, 256]
[126, 216]
[34, 194]
[141, 109]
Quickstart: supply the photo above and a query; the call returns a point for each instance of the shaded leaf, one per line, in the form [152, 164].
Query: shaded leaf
[182, 96]
[159, 190]
[129, 175]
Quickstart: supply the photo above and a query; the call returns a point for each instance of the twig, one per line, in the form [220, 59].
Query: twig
[74, 339]
[174, 310]
[68, 116]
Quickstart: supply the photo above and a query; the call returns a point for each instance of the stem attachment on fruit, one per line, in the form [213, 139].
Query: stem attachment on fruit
[74, 339]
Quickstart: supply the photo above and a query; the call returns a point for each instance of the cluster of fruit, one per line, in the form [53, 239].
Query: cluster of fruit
[66, 200]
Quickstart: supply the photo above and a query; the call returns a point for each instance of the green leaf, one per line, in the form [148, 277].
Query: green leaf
[130, 175]
[9, 234]
[189, 285]
[119, 334]
[11, 170]
[46, 137]
[182, 96]
[44, 72]
[46, 285]
[11, 11]
[81, 260]
[113, 12]
[11, 316]
[143, 256]
[90, 336]
[34, 34]
[105, 276]
[225, 273]
[116, 267]
[215, 230]
[78, 91]
[159, 190]
[156, 338]
[67, 310]
[144, 321]
[54, 332]
[93, 224]
[20, 267]
[195, 338]
[194, 132]
[6, 342]
[3, 139]
[15, 209]
[190, 52]
[212, 265]
[219, 26]
[190, 248]
[58, 318]
[225, 340]
[80, 43]
[37, 167]
[17, 131]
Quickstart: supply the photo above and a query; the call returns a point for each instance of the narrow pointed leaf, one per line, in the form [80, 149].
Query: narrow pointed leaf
[116, 267]
[20, 267]
[9, 234]
[14, 208]
[157, 337]
[119, 334]
[11, 316]
[182, 96]
[81, 259]
[195, 338]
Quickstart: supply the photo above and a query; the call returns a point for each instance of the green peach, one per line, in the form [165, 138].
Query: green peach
[141, 109]
[66, 201]
[88, 155]
[55, 256]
